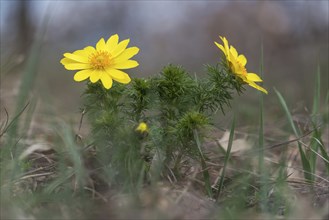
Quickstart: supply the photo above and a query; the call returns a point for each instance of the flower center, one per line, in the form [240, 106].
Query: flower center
[238, 68]
[100, 59]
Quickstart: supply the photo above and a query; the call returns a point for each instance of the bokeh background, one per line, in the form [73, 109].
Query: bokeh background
[293, 35]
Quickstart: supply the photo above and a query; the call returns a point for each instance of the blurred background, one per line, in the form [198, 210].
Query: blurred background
[293, 34]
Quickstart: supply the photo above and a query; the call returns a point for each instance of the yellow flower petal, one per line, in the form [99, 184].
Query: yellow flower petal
[127, 54]
[80, 53]
[119, 76]
[221, 47]
[77, 58]
[120, 48]
[77, 66]
[126, 64]
[66, 61]
[88, 50]
[106, 80]
[96, 75]
[253, 77]
[112, 42]
[242, 59]
[82, 75]
[234, 52]
[254, 85]
[225, 42]
[100, 45]
[226, 46]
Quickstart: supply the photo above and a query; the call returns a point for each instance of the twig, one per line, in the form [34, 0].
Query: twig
[6, 123]
[13, 120]
[38, 169]
[97, 193]
[80, 124]
[284, 143]
[36, 175]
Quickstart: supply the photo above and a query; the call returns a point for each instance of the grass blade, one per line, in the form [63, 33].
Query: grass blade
[317, 93]
[315, 114]
[288, 114]
[305, 162]
[316, 142]
[324, 153]
[261, 157]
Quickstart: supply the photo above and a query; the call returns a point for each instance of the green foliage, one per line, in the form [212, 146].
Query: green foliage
[187, 124]
[215, 92]
[173, 104]
[174, 87]
[140, 97]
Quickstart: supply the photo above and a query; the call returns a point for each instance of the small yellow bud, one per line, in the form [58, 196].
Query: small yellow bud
[142, 127]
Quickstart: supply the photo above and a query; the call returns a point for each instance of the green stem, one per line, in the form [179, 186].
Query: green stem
[203, 164]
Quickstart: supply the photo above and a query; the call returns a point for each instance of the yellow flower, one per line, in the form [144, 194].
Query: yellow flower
[237, 64]
[142, 127]
[104, 62]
